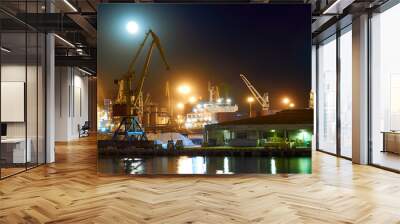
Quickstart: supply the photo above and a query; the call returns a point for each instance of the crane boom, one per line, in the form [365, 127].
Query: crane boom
[133, 62]
[262, 100]
[154, 43]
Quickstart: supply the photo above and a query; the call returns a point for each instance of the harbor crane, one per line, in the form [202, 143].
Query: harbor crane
[129, 102]
[213, 92]
[262, 100]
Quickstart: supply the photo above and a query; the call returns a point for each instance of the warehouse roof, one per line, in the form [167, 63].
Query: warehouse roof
[295, 116]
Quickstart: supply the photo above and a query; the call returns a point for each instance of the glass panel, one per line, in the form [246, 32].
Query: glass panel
[346, 94]
[23, 84]
[13, 86]
[31, 6]
[41, 98]
[327, 96]
[385, 84]
[31, 97]
[32, 86]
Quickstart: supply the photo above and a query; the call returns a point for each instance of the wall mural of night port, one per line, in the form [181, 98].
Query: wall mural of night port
[204, 89]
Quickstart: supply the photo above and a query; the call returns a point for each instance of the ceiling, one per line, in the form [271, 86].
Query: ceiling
[75, 21]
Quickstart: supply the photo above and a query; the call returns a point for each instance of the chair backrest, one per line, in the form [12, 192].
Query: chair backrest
[86, 125]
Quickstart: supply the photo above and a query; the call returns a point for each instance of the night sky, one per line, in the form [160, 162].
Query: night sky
[271, 44]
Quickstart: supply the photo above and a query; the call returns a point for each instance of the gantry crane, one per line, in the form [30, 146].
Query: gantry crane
[129, 104]
[262, 100]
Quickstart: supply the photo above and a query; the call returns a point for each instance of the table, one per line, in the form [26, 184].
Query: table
[13, 150]
[391, 141]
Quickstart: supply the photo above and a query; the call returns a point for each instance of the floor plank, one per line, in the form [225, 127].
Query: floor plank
[70, 191]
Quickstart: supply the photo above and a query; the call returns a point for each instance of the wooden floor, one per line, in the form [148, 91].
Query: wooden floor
[70, 191]
[5, 172]
[387, 159]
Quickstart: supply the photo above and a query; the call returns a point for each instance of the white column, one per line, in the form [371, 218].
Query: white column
[360, 90]
[50, 92]
[50, 99]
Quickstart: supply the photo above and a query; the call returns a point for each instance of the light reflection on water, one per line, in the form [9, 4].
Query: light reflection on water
[203, 165]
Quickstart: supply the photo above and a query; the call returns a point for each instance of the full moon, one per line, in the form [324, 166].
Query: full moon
[132, 27]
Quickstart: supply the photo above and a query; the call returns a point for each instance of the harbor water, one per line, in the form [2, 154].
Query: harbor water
[210, 165]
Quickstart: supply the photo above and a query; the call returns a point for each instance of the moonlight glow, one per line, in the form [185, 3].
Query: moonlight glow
[132, 27]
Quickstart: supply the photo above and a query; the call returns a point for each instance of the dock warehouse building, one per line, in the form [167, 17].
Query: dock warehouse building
[284, 129]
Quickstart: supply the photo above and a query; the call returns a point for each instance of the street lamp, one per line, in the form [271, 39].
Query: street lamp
[192, 99]
[184, 89]
[286, 101]
[250, 100]
[180, 106]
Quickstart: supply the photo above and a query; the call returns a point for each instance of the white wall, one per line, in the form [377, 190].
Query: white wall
[11, 73]
[16, 73]
[71, 102]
